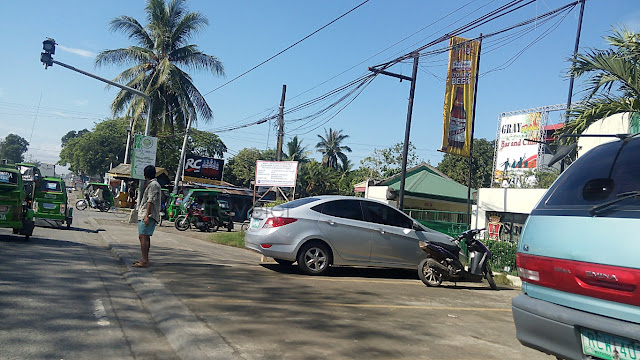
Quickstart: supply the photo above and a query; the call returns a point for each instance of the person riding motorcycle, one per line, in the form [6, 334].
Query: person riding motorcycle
[97, 197]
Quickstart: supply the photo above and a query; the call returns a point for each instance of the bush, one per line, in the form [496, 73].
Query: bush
[503, 254]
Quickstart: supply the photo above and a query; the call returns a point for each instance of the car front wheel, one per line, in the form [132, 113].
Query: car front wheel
[314, 258]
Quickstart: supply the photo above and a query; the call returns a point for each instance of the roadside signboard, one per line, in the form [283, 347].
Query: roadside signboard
[276, 173]
[144, 154]
[515, 154]
[203, 170]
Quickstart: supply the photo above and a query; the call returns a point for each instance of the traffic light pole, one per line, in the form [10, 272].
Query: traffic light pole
[123, 87]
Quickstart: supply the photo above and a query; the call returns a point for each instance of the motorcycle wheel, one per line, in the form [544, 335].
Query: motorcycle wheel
[244, 226]
[182, 223]
[428, 274]
[489, 275]
[104, 207]
[81, 204]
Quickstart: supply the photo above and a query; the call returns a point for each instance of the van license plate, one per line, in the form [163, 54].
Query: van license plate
[4, 209]
[607, 346]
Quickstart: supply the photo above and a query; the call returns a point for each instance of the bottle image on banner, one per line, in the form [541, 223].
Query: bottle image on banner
[458, 121]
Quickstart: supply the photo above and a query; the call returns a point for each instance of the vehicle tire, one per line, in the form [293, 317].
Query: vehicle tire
[314, 258]
[230, 226]
[16, 231]
[182, 223]
[282, 262]
[104, 207]
[489, 275]
[68, 222]
[244, 226]
[81, 204]
[26, 237]
[428, 273]
[214, 227]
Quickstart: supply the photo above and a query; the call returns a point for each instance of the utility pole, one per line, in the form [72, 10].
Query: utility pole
[473, 122]
[182, 157]
[407, 130]
[281, 124]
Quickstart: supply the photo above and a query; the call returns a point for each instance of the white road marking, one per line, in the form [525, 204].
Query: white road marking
[100, 313]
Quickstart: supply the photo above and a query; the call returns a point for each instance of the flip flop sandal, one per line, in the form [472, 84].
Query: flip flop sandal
[138, 264]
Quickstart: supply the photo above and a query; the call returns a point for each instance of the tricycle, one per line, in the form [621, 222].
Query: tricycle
[51, 201]
[15, 211]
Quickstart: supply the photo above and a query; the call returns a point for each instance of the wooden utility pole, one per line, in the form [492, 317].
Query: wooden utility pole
[281, 125]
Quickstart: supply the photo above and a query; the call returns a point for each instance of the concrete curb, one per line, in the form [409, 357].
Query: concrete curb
[189, 337]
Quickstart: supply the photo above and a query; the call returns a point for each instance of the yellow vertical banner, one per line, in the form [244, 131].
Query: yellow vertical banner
[459, 96]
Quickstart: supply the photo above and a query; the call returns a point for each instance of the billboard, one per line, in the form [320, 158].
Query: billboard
[514, 153]
[203, 170]
[276, 173]
[459, 96]
[143, 155]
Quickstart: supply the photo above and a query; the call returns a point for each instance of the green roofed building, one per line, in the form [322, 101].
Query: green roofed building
[431, 197]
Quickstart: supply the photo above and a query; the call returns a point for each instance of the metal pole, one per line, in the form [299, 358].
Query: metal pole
[405, 150]
[473, 122]
[182, 157]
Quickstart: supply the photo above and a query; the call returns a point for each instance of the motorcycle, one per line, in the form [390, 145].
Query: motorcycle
[82, 204]
[446, 261]
[197, 218]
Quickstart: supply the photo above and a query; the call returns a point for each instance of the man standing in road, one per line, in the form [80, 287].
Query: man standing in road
[148, 214]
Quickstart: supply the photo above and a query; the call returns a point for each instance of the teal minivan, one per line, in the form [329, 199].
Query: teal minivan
[579, 259]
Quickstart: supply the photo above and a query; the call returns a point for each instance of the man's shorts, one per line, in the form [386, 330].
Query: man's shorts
[146, 229]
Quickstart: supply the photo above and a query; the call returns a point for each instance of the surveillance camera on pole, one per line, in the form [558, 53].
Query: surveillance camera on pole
[49, 47]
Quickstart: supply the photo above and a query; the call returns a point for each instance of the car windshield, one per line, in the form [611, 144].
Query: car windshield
[8, 177]
[295, 203]
[50, 186]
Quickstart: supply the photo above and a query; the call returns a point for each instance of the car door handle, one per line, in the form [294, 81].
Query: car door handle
[380, 230]
[330, 222]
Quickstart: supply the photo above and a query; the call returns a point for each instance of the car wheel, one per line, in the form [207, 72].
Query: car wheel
[283, 262]
[428, 274]
[81, 204]
[314, 258]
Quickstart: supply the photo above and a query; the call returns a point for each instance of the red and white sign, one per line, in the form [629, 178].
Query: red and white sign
[276, 173]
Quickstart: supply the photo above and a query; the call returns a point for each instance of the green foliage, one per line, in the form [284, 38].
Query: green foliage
[93, 152]
[612, 83]
[160, 53]
[457, 167]
[235, 239]
[71, 135]
[13, 147]
[384, 163]
[331, 149]
[297, 152]
[240, 170]
[316, 179]
[503, 253]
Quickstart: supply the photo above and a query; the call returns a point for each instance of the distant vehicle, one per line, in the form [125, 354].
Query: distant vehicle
[105, 205]
[15, 212]
[216, 211]
[51, 201]
[578, 258]
[30, 180]
[323, 231]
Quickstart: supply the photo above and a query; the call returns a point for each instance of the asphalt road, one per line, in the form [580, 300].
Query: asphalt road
[63, 296]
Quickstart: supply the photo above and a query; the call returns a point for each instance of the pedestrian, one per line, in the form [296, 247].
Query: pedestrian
[148, 214]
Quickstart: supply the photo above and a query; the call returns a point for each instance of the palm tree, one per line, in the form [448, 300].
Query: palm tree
[613, 83]
[297, 152]
[330, 148]
[160, 52]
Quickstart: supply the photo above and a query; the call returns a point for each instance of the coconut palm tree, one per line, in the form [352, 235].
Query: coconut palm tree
[613, 81]
[297, 152]
[160, 56]
[330, 148]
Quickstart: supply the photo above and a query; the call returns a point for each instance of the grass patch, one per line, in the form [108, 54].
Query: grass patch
[234, 238]
[502, 279]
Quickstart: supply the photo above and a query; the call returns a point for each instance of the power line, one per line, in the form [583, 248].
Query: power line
[289, 47]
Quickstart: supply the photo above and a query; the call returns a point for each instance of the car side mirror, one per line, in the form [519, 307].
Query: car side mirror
[417, 227]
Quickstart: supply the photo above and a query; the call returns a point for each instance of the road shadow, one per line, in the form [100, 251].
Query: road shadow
[343, 272]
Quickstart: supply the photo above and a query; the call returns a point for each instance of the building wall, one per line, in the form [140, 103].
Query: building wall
[614, 124]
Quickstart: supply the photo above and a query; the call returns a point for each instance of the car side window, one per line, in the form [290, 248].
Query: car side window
[348, 209]
[386, 215]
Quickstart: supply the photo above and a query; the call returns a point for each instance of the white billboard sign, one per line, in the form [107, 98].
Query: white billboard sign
[144, 154]
[515, 153]
[276, 173]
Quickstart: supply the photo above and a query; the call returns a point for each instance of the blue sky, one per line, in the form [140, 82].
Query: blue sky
[244, 33]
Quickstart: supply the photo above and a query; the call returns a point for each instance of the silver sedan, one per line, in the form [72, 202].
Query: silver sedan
[323, 231]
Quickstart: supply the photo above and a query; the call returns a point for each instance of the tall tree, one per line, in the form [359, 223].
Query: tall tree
[384, 163]
[331, 149]
[612, 83]
[241, 169]
[201, 143]
[457, 167]
[159, 57]
[297, 152]
[13, 147]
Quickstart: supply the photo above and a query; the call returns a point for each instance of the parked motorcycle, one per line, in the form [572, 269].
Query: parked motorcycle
[197, 219]
[447, 261]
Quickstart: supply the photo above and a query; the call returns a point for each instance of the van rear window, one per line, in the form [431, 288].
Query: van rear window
[8, 177]
[598, 176]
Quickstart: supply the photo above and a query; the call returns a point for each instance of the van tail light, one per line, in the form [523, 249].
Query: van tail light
[278, 221]
[529, 267]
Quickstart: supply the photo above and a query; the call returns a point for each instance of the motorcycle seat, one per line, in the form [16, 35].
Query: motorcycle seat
[449, 247]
